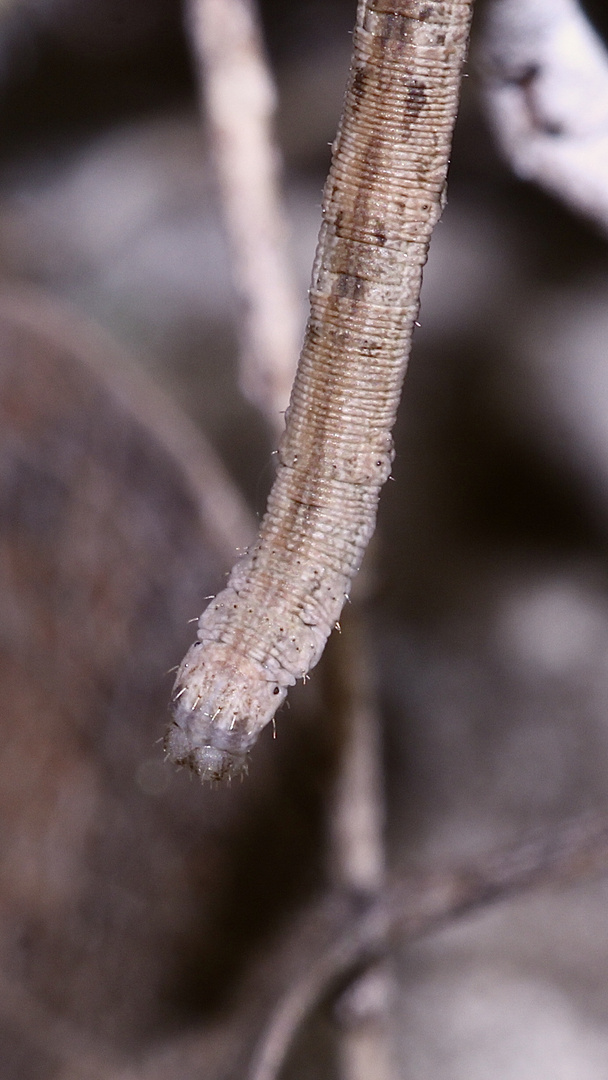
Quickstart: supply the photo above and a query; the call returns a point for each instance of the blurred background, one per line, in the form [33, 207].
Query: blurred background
[132, 902]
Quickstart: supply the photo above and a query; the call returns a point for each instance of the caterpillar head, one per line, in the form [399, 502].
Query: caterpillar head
[221, 702]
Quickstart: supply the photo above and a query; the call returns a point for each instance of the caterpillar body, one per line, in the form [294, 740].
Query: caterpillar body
[384, 193]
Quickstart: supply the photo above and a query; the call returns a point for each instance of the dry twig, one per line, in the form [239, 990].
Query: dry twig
[413, 908]
[410, 909]
[357, 863]
[239, 98]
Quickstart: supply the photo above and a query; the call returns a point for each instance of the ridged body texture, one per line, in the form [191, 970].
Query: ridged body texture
[383, 196]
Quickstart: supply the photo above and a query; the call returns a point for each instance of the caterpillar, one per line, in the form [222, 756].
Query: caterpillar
[384, 194]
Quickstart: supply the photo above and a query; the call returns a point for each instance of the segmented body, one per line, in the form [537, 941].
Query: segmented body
[383, 196]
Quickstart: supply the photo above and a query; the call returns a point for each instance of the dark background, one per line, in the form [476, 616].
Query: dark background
[489, 614]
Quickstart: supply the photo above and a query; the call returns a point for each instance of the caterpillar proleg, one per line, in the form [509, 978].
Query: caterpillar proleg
[384, 194]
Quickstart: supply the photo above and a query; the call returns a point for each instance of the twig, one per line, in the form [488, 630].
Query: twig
[545, 73]
[412, 909]
[239, 98]
[357, 859]
[357, 863]
[383, 196]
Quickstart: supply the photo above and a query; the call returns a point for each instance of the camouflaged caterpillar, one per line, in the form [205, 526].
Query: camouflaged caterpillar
[384, 194]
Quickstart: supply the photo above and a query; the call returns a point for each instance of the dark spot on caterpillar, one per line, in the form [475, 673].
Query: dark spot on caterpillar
[399, 24]
[415, 101]
[358, 85]
[387, 29]
[350, 286]
[380, 237]
[370, 156]
[410, 9]
[339, 219]
[370, 348]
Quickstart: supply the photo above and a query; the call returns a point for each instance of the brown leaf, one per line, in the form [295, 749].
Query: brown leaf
[124, 896]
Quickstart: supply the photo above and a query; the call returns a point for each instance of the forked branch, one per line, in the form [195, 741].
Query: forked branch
[413, 908]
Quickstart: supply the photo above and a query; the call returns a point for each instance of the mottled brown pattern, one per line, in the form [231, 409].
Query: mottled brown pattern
[382, 198]
[358, 85]
[412, 10]
[395, 28]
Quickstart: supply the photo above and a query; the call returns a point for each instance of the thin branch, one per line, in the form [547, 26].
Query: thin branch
[410, 910]
[357, 861]
[356, 819]
[239, 97]
[413, 909]
[545, 75]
